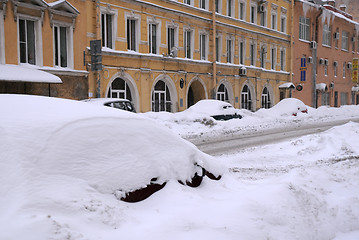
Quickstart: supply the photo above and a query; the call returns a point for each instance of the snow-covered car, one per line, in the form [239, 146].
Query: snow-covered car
[286, 107]
[71, 146]
[119, 103]
[219, 110]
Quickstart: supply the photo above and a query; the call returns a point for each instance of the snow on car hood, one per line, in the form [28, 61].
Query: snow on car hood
[210, 107]
[44, 138]
[285, 107]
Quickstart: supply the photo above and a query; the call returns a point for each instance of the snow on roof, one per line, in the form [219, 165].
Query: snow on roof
[287, 85]
[16, 73]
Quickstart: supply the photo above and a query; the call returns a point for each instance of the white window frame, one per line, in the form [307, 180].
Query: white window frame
[252, 55]
[2, 38]
[283, 20]
[224, 95]
[253, 13]
[38, 38]
[188, 2]
[114, 15]
[263, 55]
[242, 51]
[69, 43]
[137, 19]
[157, 23]
[218, 52]
[344, 69]
[327, 35]
[175, 27]
[282, 59]
[230, 8]
[218, 6]
[230, 49]
[203, 52]
[185, 42]
[263, 17]
[242, 12]
[304, 28]
[273, 57]
[345, 40]
[201, 4]
[274, 16]
[336, 70]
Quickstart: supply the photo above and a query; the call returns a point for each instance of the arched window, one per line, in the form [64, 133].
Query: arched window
[266, 103]
[222, 93]
[161, 97]
[246, 98]
[119, 89]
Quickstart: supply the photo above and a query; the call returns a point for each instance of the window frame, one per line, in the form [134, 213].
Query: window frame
[203, 46]
[230, 8]
[188, 41]
[253, 13]
[252, 54]
[274, 17]
[37, 39]
[273, 56]
[137, 31]
[218, 48]
[242, 51]
[230, 49]
[170, 25]
[282, 59]
[69, 45]
[304, 28]
[242, 12]
[345, 40]
[327, 35]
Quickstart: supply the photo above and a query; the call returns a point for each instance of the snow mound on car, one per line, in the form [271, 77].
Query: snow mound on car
[49, 141]
[286, 107]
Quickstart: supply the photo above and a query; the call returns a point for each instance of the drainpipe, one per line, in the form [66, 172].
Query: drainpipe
[292, 43]
[213, 49]
[97, 75]
[314, 55]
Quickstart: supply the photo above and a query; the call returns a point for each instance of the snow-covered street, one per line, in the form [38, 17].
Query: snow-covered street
[304, 188]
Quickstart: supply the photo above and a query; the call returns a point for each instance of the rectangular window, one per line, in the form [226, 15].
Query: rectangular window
[242, 10]
[202, 4]
[273, 58]
[335, 69]
[106, 30]
[274, 21]
[353, 44]
[152, 29]
[253, 14]
[187, 2]
[345, 42]
[282, 60]
[217, 49]
[217, 5]
[170, 39]
[229, 8]
[283, 21]
[343, 98]
[187, 44]
[263, 54]
[229, 50]
[344, 65]
[327, 35]
[60, 46]
[27, 41]
[325, 70]
[263, 17]
[202, 46]
[325, 99]
[304, 28]
[131, 34]
[242, 49]
[252, 54]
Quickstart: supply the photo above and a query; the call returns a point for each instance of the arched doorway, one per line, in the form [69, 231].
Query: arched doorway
[266, 99]
[119, 88]
[161, 98]
[246, 98]
[196, 92]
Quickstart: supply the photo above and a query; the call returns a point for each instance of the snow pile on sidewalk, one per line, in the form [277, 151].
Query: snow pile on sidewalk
[54, 186]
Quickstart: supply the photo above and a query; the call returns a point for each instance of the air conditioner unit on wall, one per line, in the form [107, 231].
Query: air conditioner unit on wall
[310, 60]
[336, 35]
[326, 62]
[321, 61]
[349, 65]
[243, 71]
[313, 45]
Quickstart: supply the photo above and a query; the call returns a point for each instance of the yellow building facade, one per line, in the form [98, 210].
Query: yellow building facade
[167, 55]
[44, 36]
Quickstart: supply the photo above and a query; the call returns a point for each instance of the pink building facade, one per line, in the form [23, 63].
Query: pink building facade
[325, 42]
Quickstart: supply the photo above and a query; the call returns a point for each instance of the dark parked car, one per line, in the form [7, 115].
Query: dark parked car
[119, 103]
